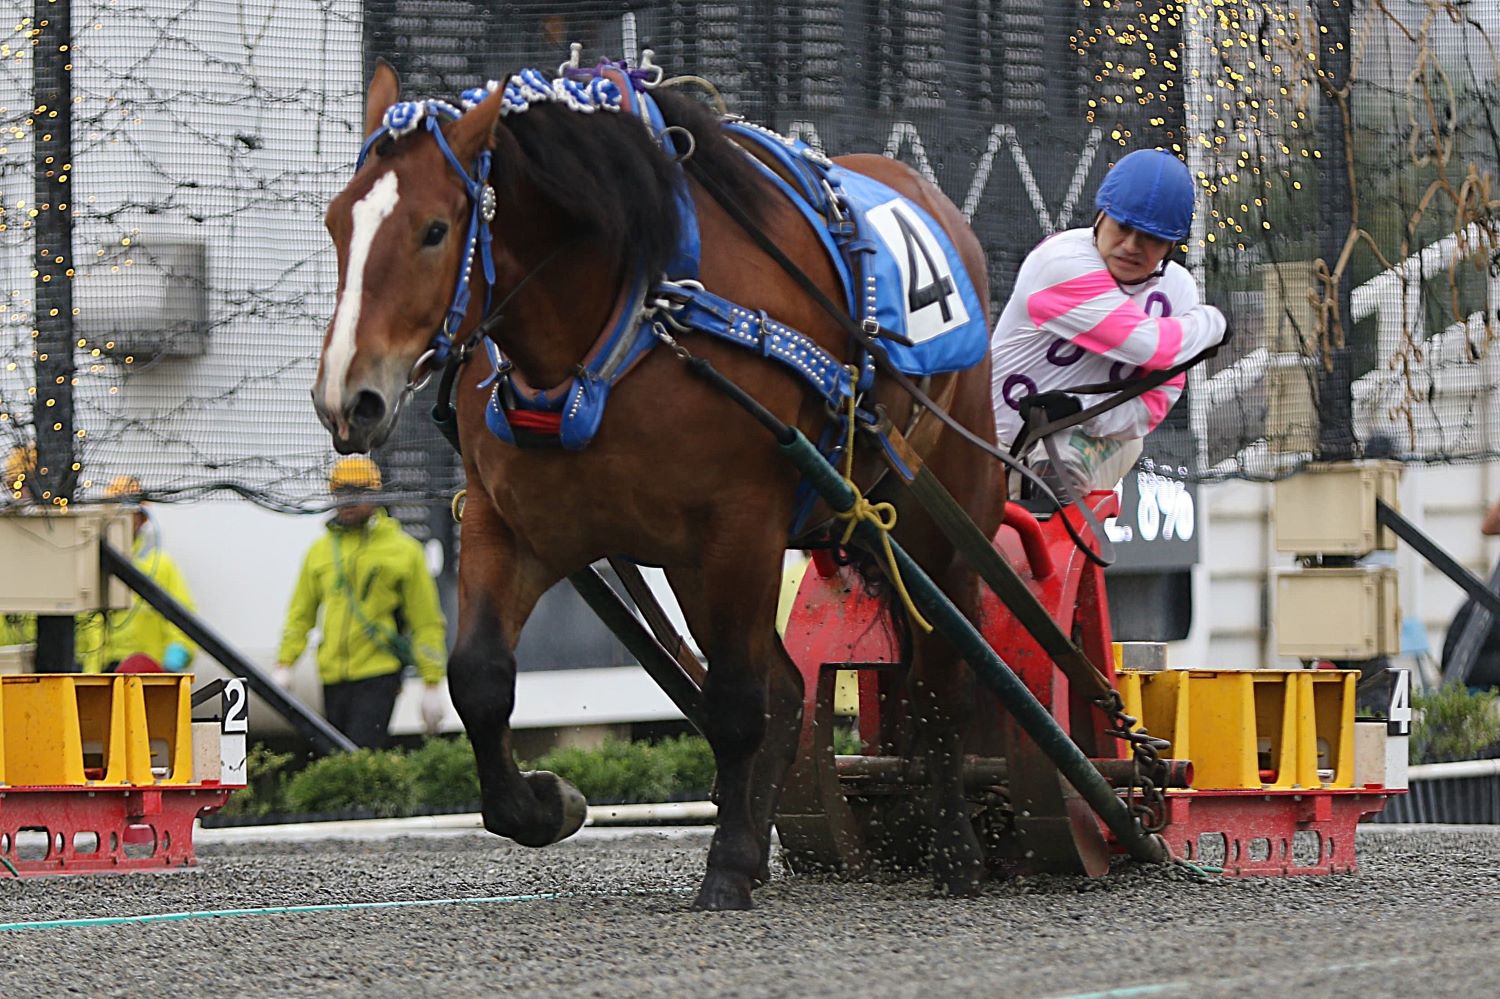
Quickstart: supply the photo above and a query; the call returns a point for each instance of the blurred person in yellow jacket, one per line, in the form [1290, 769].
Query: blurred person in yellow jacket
[20, 474]
[103, 641]
[106, 640]
[379, 612]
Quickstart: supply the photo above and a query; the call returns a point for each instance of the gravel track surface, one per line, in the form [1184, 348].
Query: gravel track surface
[1420, 919]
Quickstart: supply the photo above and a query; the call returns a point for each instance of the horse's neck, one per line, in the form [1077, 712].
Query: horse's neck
[558, 314]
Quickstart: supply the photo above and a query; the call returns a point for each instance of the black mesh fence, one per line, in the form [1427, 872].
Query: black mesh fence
[1346, 154]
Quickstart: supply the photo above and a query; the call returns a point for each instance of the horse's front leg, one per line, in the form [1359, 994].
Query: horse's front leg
[499, 584]
[731, 608]
[782, 713]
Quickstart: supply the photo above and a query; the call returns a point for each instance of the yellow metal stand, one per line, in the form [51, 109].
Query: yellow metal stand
[104, 767]
[1251, 729]
[93, 731]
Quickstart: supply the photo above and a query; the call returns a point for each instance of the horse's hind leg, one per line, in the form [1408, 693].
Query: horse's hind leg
[778, 749]
[753, 713]
[941, 692]
[499, 585]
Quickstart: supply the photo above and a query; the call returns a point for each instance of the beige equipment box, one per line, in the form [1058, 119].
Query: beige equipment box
[50, 562]
[1338, 613]
[1329, 509]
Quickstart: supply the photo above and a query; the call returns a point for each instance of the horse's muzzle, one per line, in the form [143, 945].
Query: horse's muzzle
[364, 422]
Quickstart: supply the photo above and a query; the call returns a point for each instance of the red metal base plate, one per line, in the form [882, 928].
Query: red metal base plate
[1269, 833]
[72, 830]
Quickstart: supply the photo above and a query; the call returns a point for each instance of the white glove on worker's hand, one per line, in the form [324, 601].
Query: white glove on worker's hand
[282, 677]
[434, 707]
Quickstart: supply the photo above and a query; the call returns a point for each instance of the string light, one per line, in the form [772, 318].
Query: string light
[1237, 86]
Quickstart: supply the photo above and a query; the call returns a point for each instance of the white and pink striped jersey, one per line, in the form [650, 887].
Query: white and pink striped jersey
[1068, 322]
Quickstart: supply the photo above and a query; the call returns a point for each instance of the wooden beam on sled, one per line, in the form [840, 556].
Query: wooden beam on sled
[656, 618]
[658, 663]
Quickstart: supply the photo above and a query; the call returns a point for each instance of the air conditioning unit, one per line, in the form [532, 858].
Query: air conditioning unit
[1329, 508]
[56, 565]
[146, 300]
[1346, 613]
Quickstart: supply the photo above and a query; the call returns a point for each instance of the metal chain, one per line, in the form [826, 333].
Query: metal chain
[1146, 796]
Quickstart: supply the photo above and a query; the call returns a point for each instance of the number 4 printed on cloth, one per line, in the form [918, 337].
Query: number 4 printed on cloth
[929, 297]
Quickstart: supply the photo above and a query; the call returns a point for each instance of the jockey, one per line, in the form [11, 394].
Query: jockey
[1099, 304]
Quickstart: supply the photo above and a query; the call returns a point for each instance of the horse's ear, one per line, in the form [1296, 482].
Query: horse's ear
[385, 90]
[475, 131]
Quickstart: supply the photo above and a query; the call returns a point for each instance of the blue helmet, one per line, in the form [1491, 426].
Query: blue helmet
[1152, 191]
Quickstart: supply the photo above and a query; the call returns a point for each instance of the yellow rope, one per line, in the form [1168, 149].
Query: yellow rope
[881, 515]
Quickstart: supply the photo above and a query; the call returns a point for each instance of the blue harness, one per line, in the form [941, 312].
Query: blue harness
[898, 270]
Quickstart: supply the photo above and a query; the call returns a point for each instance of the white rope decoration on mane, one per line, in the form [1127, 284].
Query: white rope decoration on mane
[404, 117]
[530, 87]
[522, 91]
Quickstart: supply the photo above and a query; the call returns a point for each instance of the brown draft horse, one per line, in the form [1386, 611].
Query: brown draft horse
[678, 475]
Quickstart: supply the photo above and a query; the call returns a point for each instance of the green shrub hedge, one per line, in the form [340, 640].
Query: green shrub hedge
[1454, 723]
[440, 776]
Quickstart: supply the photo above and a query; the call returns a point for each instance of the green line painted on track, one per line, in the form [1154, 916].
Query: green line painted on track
[289, 910]
[1127, 992]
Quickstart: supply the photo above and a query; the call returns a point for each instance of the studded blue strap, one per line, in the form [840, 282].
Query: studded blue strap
[581, 399]
[706, 312]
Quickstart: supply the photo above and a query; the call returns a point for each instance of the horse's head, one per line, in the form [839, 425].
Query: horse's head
[401, 230]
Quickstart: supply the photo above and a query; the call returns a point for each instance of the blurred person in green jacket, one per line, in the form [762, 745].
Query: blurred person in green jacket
[20, 466]
[106, 640]
[380, 612]
[103, 641]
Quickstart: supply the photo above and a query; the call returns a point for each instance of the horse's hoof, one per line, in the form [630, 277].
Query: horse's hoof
[762, 876]
[958, 864]
[720, 894]
[557, 797]
[959, 884]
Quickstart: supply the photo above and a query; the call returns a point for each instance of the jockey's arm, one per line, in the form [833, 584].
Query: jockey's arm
[1087, 307]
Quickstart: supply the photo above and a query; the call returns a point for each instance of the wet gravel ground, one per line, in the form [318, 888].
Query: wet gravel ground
[1420, 919]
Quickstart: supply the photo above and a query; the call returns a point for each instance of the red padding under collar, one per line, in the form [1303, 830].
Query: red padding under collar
[535, 421]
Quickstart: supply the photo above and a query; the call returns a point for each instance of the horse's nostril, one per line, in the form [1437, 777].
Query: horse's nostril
[366, 409]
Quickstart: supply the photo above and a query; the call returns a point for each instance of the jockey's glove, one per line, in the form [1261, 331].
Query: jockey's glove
[1055, 405]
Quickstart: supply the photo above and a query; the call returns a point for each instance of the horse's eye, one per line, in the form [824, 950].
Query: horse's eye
[435, 233]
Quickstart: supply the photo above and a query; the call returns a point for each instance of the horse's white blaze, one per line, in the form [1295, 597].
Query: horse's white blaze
[369, 212]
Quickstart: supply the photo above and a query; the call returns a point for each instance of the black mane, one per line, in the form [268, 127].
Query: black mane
[604, 171]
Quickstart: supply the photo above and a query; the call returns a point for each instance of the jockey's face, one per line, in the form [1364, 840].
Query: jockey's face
[1130, 254]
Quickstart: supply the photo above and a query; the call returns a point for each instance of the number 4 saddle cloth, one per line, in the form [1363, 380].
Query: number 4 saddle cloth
[897, 264]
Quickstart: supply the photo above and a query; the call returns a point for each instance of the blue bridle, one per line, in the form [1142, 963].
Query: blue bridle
[406, 117]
